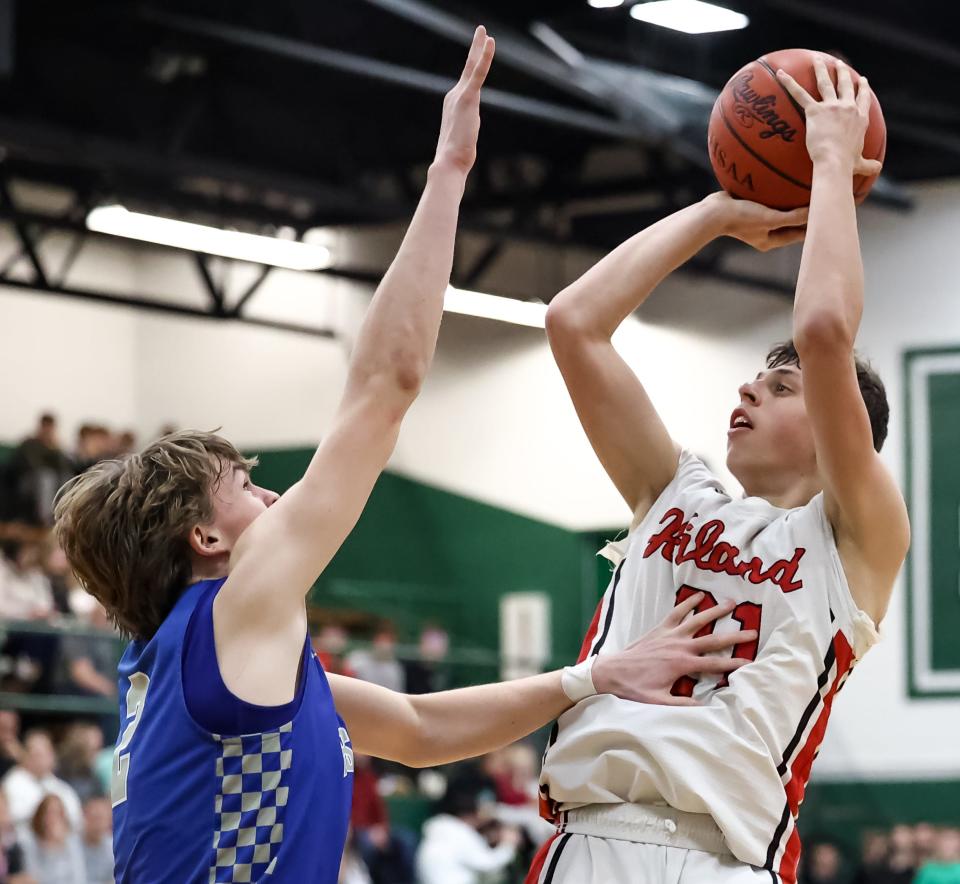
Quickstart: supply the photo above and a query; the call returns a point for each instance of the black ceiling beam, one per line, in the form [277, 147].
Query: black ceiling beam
[7, 37]
[216, 295]
[398, 75]
[251, 290]
[24, 233]
[865, 26]
[169, 308]
[107, 154]
[471, 276]
[512, 50]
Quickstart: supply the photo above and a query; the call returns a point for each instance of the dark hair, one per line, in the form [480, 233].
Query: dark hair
[458, 801]
[38, 821]
[871, 388]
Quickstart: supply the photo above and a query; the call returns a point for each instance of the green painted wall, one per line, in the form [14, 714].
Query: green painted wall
[843, 811]
[419, 553]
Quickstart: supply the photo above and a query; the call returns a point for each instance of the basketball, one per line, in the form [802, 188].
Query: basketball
[757, 133]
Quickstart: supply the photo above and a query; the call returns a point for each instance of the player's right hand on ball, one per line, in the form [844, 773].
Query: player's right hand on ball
[460, 126]
[757, 225]
[646, 670]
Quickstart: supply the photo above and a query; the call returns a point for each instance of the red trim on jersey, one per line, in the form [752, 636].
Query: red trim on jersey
[548, 807]
[591, 633]
[803, 761]
[539, 861]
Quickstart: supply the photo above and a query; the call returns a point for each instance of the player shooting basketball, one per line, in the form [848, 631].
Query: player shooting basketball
[235, 757]
[671, 795]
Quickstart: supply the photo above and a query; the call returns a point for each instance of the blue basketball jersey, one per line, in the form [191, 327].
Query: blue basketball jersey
[192, 807]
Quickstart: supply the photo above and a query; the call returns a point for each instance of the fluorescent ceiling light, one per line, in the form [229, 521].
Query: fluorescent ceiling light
[118, 221]
[494, 307]
[605, 4]
[689, 16]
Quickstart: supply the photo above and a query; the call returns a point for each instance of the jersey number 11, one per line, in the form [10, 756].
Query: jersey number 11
[746, 613]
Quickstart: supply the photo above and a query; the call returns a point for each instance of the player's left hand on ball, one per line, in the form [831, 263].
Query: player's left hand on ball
[460, 126]
[756, 225]
[646, 670]
[837, 123]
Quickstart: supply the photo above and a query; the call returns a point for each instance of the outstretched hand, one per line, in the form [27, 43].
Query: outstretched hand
[837, 123]
[460, 125]
[646, 670]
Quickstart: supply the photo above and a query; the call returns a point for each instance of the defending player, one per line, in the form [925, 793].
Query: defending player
[235, 757]
[808, 557]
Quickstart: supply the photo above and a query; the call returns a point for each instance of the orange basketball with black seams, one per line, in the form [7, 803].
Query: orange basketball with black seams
[757, 133]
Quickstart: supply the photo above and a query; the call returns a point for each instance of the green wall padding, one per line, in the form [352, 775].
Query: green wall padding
[419, 553]
[843, 811]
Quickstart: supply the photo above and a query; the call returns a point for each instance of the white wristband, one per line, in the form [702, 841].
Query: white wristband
[577, 681]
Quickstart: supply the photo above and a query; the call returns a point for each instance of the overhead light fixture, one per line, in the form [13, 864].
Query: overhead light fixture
[605, 4]
[528, 313]
[689, 16]
[293, 255]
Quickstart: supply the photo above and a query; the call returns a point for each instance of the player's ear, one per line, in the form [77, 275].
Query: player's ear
[206, 541]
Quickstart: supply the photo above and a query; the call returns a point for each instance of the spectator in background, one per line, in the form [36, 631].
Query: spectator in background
[36, 470]
[11, 749]
[944, 868]
[124, 443]
[93, 445]
[352, 868]
[98, 841]
[330, 642]
[379, 663]
[87, 664]
[12, 869]
[51, 846]
[59, 577]
[897, 866]
[874, 855]
[427, 674]
[25, 592]
[924, 843]
[454, 852]
[516, 777]
[78, 754]
[515, 772]
[27, 784]
[388, 855]
[824, 865]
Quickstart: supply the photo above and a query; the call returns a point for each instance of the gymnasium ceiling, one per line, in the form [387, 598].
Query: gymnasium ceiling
[312, 113]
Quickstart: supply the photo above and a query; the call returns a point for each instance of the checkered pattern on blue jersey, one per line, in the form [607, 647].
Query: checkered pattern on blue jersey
[254, 778]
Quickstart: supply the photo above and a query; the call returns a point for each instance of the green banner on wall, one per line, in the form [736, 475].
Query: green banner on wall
[932, 384]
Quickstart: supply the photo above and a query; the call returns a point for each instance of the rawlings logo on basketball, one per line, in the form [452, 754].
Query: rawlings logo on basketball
[709, 553]
[751, 107]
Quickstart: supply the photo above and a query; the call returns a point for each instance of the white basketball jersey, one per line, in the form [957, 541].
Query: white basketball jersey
[744, 755]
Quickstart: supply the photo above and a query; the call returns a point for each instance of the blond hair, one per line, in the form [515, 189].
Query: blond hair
[124, 524]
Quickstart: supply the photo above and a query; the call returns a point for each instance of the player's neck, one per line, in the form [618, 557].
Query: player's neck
[785, 492]
[212, 568]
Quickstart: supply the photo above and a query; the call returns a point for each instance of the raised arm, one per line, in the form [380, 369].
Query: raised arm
[259, 616]
[430, 729]
[862, 500]
[624, 429]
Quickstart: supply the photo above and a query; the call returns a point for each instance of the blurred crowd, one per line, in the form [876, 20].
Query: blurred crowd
[40, 464]
[55, 816]
[485, 826]
[906, 854]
